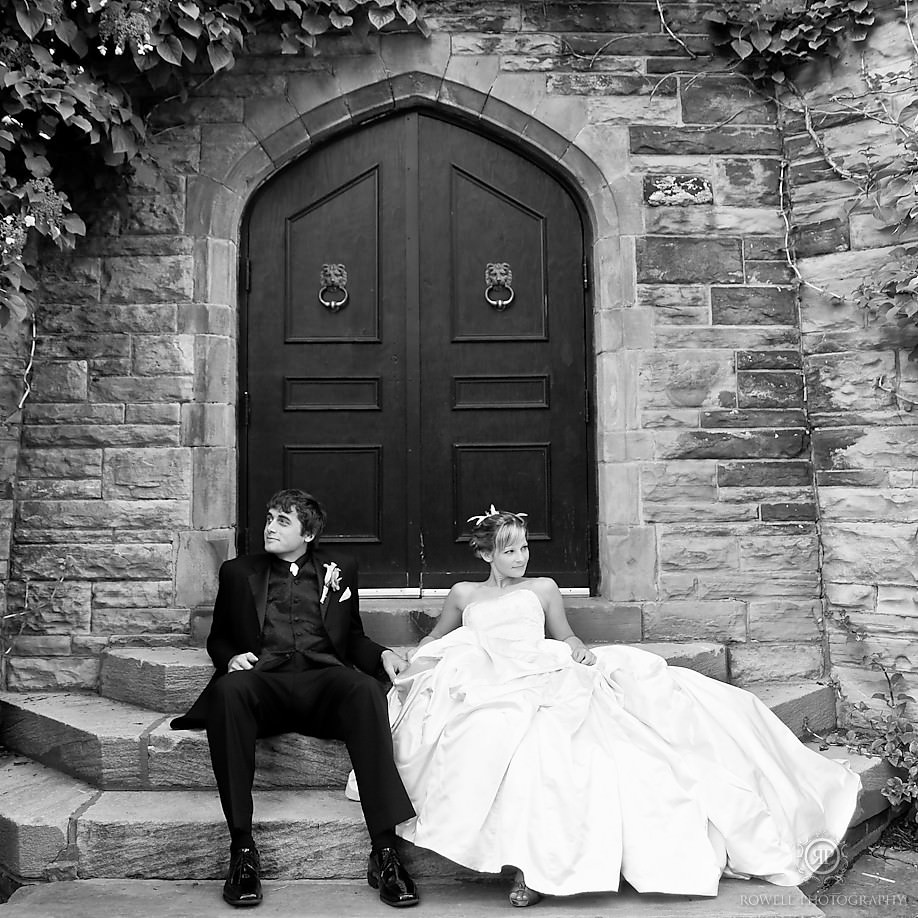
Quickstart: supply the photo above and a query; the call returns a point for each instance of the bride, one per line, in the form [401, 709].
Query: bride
[580, 767]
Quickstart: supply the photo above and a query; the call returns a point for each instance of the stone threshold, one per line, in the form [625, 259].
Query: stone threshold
[405, 620]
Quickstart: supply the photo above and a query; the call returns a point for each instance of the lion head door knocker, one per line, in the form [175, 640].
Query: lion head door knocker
[499, 285]
[333, 293]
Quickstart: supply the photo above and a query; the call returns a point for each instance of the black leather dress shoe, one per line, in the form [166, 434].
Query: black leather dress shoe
[243, 886]
[386, 873]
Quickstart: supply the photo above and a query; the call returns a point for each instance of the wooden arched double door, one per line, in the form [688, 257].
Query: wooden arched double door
[425, 397]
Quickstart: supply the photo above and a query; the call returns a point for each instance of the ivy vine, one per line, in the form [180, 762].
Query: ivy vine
[770, 42]
[78, 77]
[890, 735]
[775, 37]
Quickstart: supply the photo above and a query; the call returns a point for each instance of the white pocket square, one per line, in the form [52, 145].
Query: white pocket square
[345, 595]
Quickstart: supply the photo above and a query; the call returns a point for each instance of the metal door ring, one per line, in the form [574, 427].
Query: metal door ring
[499, 304]
[333, 305]
[498, 276]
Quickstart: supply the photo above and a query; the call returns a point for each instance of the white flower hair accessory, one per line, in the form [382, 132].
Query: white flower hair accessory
[332, 580]
[478, 520]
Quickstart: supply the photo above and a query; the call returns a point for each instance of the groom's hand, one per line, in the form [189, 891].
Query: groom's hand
[393, 664]
[242, 661]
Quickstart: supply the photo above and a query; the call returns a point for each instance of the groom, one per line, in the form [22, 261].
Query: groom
[291, 655]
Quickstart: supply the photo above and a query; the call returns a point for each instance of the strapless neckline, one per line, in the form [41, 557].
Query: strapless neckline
[529, 590]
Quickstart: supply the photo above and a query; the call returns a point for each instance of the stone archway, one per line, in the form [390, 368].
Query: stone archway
[420, 399]
[217, 199]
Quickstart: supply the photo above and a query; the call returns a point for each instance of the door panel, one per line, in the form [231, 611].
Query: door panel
[418, 403]
[487, 226]
[327, 389]
[342, 226]
[358, 508]
[515, 378]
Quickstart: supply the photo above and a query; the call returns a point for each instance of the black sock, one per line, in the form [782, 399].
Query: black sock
[241, 840]
[384, 839]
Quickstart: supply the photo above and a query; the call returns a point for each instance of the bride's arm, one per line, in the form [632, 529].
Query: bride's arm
[558, 626]
[450, 615]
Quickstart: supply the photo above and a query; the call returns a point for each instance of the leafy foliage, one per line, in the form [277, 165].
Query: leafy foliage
[78, 76]
[892, 291]
[891, 736]
[774, 37]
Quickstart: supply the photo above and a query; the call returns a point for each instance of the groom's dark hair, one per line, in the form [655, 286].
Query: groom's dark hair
[311, 513]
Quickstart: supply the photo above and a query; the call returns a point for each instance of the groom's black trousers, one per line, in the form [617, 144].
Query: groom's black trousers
[331, 702]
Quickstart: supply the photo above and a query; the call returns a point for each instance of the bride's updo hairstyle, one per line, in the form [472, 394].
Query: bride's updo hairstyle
[493, 532]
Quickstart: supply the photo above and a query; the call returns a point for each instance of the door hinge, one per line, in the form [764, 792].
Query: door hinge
[586, 273]
[246, 279]
[245, 410]
[586, 406]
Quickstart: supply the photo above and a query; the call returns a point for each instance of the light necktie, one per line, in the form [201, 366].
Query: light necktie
[294, 568]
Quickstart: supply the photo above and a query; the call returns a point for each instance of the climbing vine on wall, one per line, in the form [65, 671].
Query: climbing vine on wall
[77, 78]
[771, 41]
[774, 40]
[775, 37]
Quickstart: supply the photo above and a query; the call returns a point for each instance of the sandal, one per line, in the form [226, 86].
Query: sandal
[521, 895]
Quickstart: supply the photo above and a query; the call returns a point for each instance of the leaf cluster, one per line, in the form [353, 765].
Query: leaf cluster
[771, 39]
[774, 37]
[78, 76]
[890, 294]
[892, 736]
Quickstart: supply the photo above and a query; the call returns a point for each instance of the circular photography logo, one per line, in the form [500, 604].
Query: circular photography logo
[820, 856]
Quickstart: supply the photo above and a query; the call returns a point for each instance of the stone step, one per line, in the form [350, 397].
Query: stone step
[405, 621]
[291, 760]
[83, 735]
[874, 811]
[37, 804]
[112, 744]
[874, 772]
[159, 678]
[806, 707]
[170, 678]
[116, 745]
[354, 899]
[57, 827]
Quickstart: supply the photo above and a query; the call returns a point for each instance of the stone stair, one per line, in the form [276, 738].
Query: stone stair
[97, 786]
[335, 899]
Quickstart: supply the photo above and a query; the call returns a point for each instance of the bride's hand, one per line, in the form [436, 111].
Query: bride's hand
[393, 663]
[583, 655]
[579, 651]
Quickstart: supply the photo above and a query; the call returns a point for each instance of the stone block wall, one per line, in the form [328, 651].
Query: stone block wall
[15, 347]
[126, 465]
[726, 479]
[708, 515]
[861, 377]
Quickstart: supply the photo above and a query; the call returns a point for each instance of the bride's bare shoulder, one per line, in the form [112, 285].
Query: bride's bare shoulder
[542, 585]
[462, 593]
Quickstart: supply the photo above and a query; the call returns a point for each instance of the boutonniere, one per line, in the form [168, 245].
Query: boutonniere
[332, 580]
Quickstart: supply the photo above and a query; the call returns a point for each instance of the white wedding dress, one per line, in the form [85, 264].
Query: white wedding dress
[513, 754]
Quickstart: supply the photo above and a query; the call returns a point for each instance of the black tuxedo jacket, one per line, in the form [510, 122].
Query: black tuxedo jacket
[239, 617]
